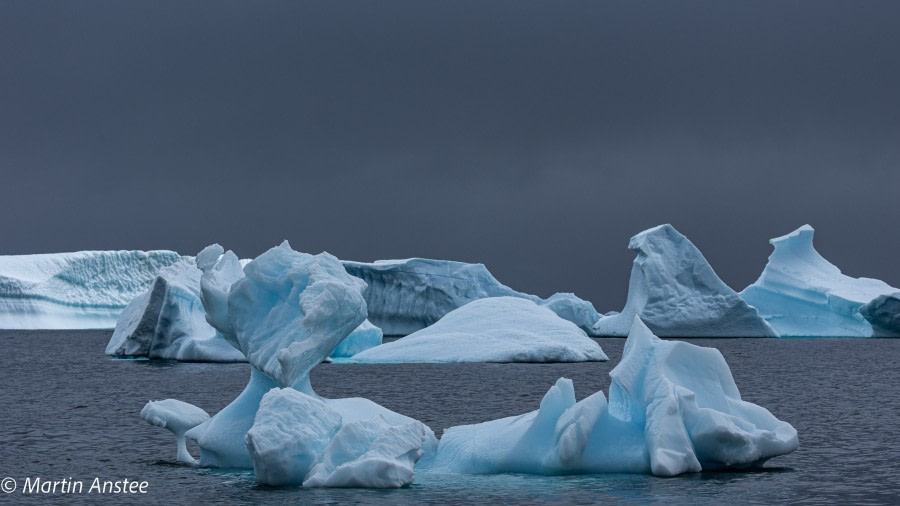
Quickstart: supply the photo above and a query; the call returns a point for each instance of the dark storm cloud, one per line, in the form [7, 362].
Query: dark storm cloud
[535, 137]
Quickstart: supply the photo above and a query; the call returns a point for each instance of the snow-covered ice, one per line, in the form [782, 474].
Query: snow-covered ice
[178, 417]
[801, 294]
[81, 290]
[286, 312]
[673, 408]
[404, 296]
[677, 293]
[494, 329]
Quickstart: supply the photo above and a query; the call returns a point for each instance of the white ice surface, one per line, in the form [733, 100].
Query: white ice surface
[675, 291]
[178, 417]
[494, 329]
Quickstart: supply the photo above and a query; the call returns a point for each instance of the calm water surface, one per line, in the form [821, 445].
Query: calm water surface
[68, 411]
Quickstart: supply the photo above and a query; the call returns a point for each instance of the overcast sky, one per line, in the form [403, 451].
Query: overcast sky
[535, 137]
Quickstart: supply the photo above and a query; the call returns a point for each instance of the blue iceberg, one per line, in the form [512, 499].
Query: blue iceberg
[801, 294]
[676, 293]
[404, 296]
[673, 408]
[494, 329]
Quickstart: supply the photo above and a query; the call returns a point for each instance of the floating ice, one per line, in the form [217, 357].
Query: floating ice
[286, 312]
[673, 408]
[169, 322]
[178, 417]
[494, 329]
[404, 296]
[82, 290]
[801, 294]
[677, 294]
[883, 313]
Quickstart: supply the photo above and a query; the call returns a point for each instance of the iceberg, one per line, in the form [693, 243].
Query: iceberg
[178, 417]
[494, 329]
[81, 290]
[883, 313]
[168, 321]
[673, 408]
[285, 313]
[801, 294]
[404, 296]
[676, 293]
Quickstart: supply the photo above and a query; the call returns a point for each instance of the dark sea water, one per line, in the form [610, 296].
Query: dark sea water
[68, 411]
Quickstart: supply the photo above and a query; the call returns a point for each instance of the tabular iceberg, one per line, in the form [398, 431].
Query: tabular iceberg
[169, 321]
[673, 408]
[404, 296]
[81, 290]
[801, 294]
[286, 313]
[494, 329]
[677, 293]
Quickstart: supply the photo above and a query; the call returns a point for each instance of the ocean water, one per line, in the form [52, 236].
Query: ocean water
[68, 411]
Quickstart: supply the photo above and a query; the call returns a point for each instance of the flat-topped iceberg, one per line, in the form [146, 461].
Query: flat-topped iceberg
[494, 329]
[801, 294]
[404, 296]
[168, 321]
[81, 290]
[673, 408]
[286, 312]
[675, 291]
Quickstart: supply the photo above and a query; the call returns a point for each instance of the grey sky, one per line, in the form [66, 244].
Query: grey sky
[535, 137]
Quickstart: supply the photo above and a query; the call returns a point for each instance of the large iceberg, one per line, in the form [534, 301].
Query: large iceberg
[81, 290]
[801, 294]
[286, 313]
[675, 291]
[168, 321]
[673, 408]
[404, 296]
[495, 329]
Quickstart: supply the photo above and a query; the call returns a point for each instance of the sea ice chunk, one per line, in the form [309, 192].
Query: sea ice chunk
[494, 329]
[404, 296]
[677, 293]
[178, 417]
[673, 408]
[801, 294]
[883, 313]
[169, 322]
[81, 290]
[286, 314]
[364, 337]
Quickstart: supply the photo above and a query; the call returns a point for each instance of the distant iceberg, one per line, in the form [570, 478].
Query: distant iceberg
[676, 293]
[286, 313]
[801, 294]
[494, 329]
[82, 290]
[404, 296]
[169, 321]
[673, 408]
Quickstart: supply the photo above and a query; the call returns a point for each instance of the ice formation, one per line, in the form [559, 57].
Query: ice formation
[285, 313]
[883, 313]
[494, 329]
[801, 294]
[404, 296]
[178, 417]
[673, 408]
[81, 290]
[168, 321]
[676, 293]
